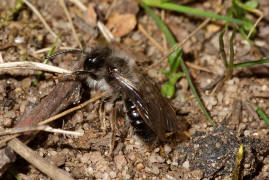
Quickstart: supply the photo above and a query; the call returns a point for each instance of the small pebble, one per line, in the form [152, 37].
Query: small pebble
[120, 161]
[19, 40]
[167, 149]
[7, 122]
[186, 164]
[139, 166]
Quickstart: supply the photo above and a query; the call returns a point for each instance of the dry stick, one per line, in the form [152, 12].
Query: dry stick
[73, 109]
[154, 42]
[256, 23]
[62, 3]
[43, 165]
[105, 32]
[79, 4]
[110, 8]
[58, 115]
[204, 23]
[33, 66]
[49, 48]
[40, 17]
[197, 67]
[17, 130]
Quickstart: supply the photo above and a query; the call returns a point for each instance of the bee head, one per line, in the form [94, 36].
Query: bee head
[96, 59]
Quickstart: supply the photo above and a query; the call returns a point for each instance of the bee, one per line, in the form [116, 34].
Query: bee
[149, 113]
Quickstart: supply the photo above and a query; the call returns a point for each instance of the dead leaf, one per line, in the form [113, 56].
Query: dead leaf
[121, 24]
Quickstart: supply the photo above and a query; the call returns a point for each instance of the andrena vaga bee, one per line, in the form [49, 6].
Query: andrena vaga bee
[149, 113]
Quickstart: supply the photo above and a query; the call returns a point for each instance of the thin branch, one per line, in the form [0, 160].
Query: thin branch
[261, 15]
[79, 4]
[105, 32]
[203, 24]
[73, 109]
[62, 3]
[33, 66]
[154, 42]
[18, 130]
[33, 158]
[34, 9]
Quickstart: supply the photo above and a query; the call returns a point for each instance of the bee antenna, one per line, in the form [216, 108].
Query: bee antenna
[64, 52]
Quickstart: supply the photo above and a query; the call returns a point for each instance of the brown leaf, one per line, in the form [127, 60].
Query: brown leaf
[121, 24]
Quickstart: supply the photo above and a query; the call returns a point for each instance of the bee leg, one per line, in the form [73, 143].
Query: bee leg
[113, 127]
[102, 116]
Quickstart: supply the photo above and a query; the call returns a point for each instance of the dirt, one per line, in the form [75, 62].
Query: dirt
[202, 151]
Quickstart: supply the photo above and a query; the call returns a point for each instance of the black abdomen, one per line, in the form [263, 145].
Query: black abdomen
[139, 125]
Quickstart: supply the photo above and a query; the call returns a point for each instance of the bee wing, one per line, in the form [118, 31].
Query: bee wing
[155, 110]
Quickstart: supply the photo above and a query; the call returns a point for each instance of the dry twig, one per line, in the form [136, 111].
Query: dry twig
[154, 42]
[105, 32]
[40, 163]
[18, 130]
[203, 24]
[73, 109]
[34, 9]
[79, 4]
[261, 15]
[33, 66]
[62, 3]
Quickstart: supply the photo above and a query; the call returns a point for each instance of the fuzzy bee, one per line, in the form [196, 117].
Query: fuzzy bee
[150, 114]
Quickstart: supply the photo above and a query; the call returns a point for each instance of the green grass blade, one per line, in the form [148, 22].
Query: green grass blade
[231, 62]
[262, 115]
[221, 49]
[160, 23]
[51, 51]
[173, 42]
[192, 11]
[251, 63]
[188, 77]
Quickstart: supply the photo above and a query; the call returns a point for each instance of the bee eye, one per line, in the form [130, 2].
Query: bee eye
[94, 62]
[96, 58]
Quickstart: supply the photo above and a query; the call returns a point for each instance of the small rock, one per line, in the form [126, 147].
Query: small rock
[7, 122]
[186, 164]
[85, 158]
[167, 149]
[78, 173]
[120, 161]
[140, 166]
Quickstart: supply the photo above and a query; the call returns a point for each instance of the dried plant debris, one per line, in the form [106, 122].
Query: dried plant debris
[214, 153]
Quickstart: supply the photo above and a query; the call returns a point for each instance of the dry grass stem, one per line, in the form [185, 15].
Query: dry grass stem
[17, 130]
[40, 17]
[33, 158]
[43, 50]
[261, 15]
[110, 8]
[154, 42]
[33, 66]
[105, 32]
[79, 4]
[62, 3]
[202, 25]
[73, 109]
[200, 68]
[6, 139]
